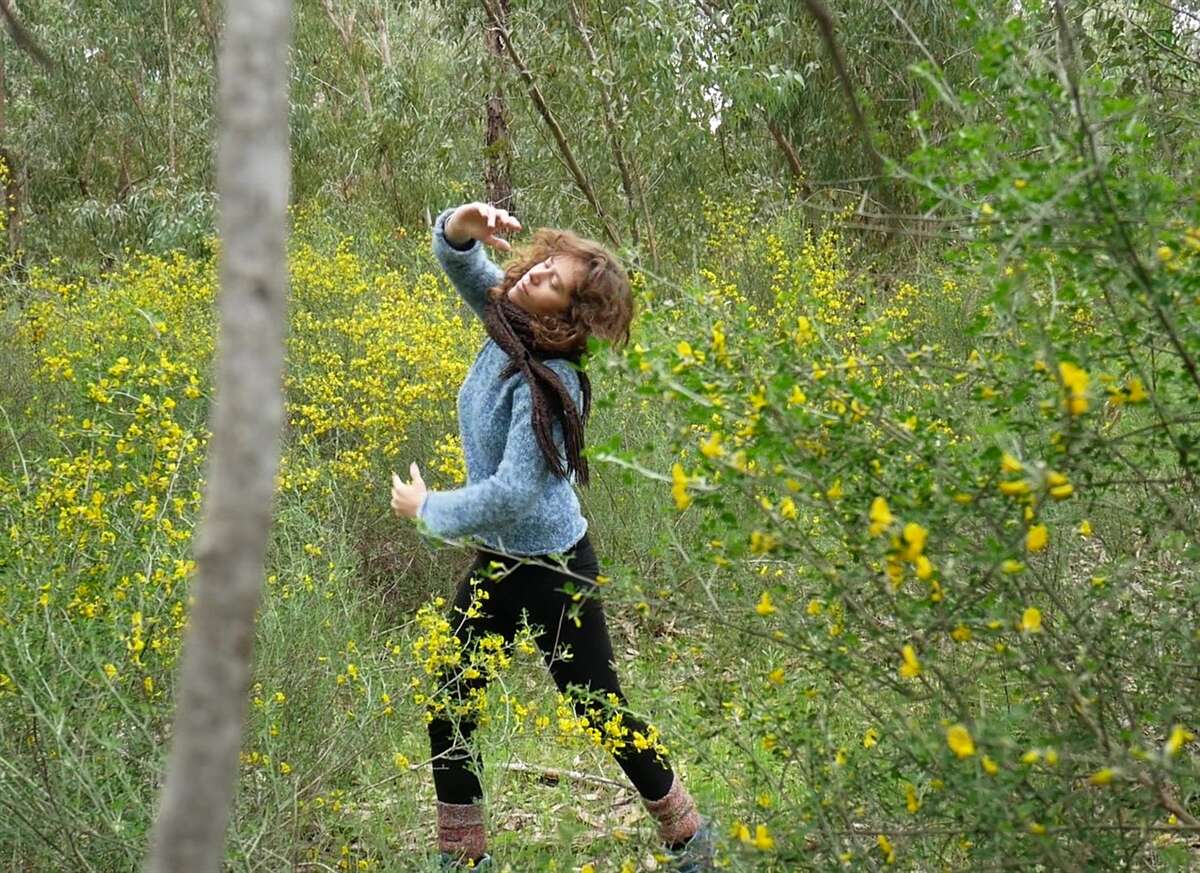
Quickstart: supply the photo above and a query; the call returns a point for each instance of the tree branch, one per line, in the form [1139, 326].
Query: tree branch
[540, 102]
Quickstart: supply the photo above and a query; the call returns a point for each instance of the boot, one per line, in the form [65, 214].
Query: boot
[687, 835]
[461, 835]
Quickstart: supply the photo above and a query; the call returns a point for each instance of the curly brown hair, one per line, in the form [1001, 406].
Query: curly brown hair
[601, 306]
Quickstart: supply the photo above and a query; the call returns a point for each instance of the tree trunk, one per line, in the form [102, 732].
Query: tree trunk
[789, 151]
[10, 195]
[560, 139]
[497, 148]
[253, 179]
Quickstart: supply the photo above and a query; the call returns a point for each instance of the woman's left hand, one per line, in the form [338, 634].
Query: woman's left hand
[407, 499]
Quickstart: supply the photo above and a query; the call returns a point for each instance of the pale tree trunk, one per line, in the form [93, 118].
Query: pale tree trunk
[253, 179]
[497, 148]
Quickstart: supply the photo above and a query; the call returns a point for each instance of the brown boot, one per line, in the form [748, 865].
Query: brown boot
[460, 830]
[676, 814]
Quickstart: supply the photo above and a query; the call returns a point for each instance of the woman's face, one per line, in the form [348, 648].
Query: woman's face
[546, 287]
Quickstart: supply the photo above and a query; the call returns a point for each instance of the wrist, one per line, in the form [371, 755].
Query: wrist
[453, 231]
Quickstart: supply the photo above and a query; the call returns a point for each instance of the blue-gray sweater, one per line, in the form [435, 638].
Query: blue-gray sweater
[511, 502]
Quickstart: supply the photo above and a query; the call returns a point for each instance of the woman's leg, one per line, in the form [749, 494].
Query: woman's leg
[456, 764]
[578, 651]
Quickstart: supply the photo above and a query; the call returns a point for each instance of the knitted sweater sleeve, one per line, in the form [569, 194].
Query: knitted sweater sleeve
[470, 270]
[511, 491]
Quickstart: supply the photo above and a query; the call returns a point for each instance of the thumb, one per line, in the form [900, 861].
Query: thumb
[396, 480]
[416, 473]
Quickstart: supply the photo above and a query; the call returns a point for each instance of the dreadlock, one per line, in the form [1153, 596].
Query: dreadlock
[512, 329]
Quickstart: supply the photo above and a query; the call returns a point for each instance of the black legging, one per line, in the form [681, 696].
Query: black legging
[589, 666]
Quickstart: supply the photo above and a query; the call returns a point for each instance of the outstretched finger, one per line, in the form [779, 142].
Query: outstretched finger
[498, 242]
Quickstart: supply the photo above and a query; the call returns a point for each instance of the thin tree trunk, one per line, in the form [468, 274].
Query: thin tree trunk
[10, 196]
[252, 181]
[789, 151]
[539, 101]
[5, 217]
[578, 14]
[497, 147]
[171, 156]
[210, 26]
[345, 29]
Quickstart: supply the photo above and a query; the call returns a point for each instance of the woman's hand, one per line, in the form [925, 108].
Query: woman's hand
[483, 222]
[407, 499]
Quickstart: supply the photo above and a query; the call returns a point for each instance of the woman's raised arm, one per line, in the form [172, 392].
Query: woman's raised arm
[458, 237]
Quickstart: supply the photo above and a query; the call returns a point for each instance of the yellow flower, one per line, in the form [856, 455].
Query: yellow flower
[1103, 776]
[1031, 620]
[1075, 383]
[870, 738]
[764, 605]
[1165, 253]
[961, 634]
[911, 801]
[1085, 528]
[1012, 566]
[911, 668]
[1037, 538]
[679, 483]
[814, 607]
[1180, 737]
[1137, 391]
[880, 516]
[718, 339]
[762, 543]
[989, 766]
[763, 841]
[834, 491]
[1009, 464]
[776, 676]
[885, 846]
[924, 568]
[960, 741]
[1060, 488]
[914, 540]
[804, 331]
[711, 447]
[1014, 489]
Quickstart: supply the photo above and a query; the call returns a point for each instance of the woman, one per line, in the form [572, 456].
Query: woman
[521, 413]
